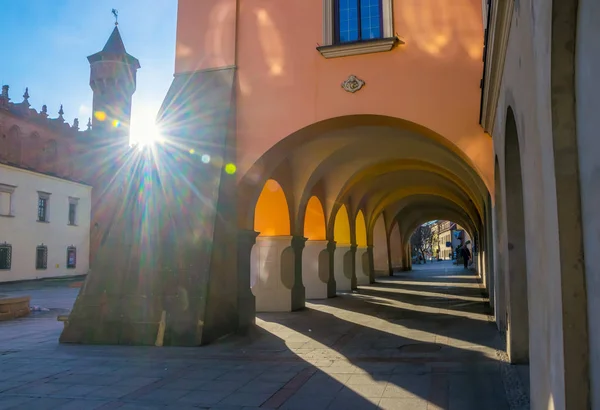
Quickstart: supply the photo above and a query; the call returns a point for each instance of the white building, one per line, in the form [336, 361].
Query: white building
[44, 225]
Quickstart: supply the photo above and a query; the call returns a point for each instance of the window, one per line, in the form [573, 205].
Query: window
[358, 20]
[73, 210]
[71, 257]
[352, 27]
[5, 256]
[43, 202]
[41, 257]
[6, 193]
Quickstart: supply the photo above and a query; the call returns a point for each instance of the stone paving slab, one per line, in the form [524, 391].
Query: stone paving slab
[389, 346]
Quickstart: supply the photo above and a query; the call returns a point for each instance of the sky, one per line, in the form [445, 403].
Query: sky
[46, 44]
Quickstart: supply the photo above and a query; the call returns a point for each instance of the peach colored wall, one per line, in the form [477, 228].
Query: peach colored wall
[284, 84]
[205, 34]
[341, 227]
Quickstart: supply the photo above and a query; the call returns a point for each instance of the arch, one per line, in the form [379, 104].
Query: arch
[314, 220]
[339, 143]
[517, 309]
[380, 248]
[271, 217]
[341, 227]
[361, 229]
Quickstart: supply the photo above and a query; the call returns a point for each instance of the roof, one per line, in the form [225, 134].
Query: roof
[114, 49]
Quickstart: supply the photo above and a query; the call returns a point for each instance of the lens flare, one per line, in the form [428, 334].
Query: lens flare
[205, 158]
[230, 169]
[100, 115]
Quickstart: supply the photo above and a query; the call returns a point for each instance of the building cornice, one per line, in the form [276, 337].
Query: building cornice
[499, 31]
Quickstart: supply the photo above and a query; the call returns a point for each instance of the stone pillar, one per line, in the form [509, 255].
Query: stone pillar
[353, 279]
[246, 300]
[331, 284]
[315, 269]
[162, 275]
[343, 270]
[298, 291]
[361, 266]
[371, 256]
[277, 273]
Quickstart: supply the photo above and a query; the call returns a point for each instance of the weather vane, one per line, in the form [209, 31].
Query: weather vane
[115, 13]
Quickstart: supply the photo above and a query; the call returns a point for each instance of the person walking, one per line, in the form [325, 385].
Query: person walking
[464, 251]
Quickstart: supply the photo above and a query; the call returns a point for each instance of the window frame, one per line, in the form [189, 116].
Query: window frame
[9, 256]
[75, 203]
[44, 196]
[71, 249]
[10, 190]
[331, 48]
[44, 263]
[336, 23]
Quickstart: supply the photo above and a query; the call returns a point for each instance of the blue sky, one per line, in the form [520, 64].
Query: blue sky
[47, 42]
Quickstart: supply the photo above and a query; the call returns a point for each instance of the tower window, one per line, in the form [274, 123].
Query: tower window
[358, 20]
[71, 257]
[41, 257]
[5, 256]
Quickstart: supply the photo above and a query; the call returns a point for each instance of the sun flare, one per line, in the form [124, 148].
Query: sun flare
[144, 130]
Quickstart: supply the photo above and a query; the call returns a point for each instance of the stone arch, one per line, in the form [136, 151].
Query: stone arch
[344, 253]
[316, 148]
[273, 278]
[381, 264]
[314, 220]
[341, 227]
[271, 217]
[361, 262]
[517, 293]
[361, 229]
[316, 277]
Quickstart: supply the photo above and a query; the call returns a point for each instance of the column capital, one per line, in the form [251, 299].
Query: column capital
[247, 236]
[353, 247]
[298, 242]
[331, 245]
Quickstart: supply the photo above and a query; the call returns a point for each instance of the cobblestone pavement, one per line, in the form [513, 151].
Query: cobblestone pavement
[420, 340]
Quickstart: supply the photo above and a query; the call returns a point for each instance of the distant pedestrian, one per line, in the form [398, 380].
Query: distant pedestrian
[464, 251]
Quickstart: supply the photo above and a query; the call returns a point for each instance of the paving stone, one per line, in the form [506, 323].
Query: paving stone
[339, 353]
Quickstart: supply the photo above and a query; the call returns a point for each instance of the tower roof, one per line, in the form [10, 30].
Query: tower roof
[114, 49]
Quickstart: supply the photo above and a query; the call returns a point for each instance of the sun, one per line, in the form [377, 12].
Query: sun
[144, 130]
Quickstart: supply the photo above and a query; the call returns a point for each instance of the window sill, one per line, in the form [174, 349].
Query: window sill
[6, 216]
[359, 47]
[72, 225]
[43, 222]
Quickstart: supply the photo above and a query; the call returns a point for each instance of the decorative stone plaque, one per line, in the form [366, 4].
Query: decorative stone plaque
[353, 84]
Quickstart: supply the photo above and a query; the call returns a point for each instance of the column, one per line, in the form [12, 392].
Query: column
[361, 264]
[353, 279]
[371, 263]
[331, 284]
[246, 300]
[298, 291]
[343, 270]
[315, 269]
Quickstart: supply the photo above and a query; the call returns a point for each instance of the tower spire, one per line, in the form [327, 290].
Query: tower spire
[115, 13]
[113, 81]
